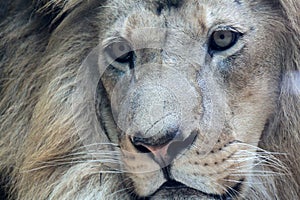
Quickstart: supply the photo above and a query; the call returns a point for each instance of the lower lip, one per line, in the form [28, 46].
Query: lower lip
[181, 193]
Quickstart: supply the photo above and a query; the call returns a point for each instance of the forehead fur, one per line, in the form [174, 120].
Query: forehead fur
[195, 16]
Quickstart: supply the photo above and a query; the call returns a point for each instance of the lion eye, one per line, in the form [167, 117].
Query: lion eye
[223, 40]
[120, 52]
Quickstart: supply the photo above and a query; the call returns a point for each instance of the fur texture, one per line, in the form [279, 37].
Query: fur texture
[44, 156]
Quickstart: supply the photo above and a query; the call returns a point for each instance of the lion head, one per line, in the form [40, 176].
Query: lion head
[171, 99]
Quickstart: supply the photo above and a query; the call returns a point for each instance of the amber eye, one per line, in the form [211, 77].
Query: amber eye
[223, 40]
[120, 51]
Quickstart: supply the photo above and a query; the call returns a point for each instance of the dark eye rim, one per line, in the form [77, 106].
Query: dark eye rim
[213, 47]
[125, 58]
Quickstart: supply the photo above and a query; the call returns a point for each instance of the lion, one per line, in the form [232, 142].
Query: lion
[150, 99]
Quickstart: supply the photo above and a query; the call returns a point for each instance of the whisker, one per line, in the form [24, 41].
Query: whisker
[51, 164]
[119, 191]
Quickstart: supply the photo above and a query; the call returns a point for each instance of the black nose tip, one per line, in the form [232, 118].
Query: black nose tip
[165, 148]
[155, 141]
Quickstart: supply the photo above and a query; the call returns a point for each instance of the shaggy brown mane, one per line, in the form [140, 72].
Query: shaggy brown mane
[39, 61]
[283, 132]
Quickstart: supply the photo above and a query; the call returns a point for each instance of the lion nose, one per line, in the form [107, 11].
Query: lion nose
[163, 149]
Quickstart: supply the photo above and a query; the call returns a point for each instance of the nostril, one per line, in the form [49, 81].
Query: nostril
[142, 149]
[139, 144]
[154, 141]
[163, 152]
[177, 146]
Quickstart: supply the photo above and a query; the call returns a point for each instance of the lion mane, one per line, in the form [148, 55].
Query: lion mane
[42, 44]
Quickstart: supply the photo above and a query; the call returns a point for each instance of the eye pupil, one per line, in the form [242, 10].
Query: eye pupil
[222, 36]
[121, 48]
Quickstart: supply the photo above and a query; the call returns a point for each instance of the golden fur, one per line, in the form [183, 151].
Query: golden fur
[252, 102]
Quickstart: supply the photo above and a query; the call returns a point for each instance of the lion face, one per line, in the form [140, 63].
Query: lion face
[190, 87]
[150, 99]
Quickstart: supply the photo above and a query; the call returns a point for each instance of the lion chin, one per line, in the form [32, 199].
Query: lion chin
[150, 99]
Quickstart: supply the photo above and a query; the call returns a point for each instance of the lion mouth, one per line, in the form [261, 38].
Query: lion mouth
[176, 190]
